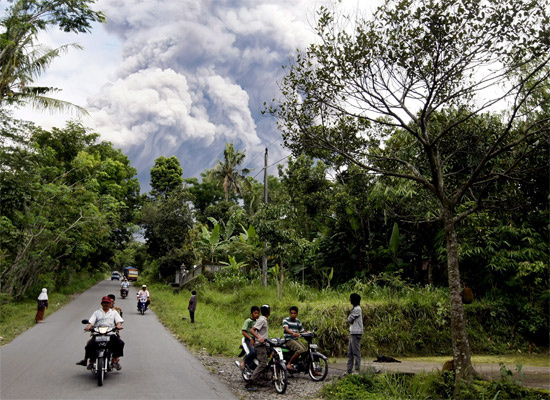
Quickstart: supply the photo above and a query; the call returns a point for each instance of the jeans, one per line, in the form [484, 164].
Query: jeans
[251, 352]
[354, 352]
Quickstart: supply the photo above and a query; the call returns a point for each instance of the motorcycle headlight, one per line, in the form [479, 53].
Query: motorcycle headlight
[313, 346]
[103, 329]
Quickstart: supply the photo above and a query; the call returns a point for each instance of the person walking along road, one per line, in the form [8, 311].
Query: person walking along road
[42, 304]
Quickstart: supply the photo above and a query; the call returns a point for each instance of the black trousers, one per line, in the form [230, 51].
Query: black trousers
[192, 316]
[115, 345]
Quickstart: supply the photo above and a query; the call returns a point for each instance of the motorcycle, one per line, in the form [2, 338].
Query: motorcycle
[123, 292]
[276, 368]
[142, 306]
[311, 362]
[103, 356]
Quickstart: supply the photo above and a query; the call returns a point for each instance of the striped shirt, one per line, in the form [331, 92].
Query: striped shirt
[294, 326]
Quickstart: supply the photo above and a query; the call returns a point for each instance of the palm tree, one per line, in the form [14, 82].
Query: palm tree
[22, 60]
[227, 171]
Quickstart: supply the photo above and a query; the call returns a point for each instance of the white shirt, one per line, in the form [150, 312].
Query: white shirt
[125, 284]
[143, 293]
[109, 318]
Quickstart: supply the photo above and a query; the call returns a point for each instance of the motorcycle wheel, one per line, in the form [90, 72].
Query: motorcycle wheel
[279, 378]
[100, 371]
[320, 366]
[246, 373]
[142, 310]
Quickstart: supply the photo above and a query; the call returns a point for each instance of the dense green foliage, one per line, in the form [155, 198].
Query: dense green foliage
[356, 230]
[165, 176]
[440, 96]
[68, 203]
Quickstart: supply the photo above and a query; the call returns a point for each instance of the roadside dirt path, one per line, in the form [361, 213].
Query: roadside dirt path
[302, 388]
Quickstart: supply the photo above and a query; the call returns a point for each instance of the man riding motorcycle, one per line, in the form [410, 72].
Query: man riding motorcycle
[143, 293]
[124, 286]
[106, 316]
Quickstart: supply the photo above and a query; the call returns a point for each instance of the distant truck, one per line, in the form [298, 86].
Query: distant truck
[131, 273]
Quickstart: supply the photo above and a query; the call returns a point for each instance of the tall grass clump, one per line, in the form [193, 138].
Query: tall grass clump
[434, 386]
[398, 321]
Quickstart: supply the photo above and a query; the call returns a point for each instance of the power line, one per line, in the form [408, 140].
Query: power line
[276, 162]
[259, 153]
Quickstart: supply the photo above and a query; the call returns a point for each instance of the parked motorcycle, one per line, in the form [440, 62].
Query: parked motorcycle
[142, 306]
[123, 292]
[276, 368]
[311, 362]
[103, 355]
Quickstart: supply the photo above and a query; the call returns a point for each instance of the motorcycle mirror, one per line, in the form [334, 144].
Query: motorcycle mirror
[85, 321]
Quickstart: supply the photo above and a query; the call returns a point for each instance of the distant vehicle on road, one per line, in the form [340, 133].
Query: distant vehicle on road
[131, 273]
[116, 275]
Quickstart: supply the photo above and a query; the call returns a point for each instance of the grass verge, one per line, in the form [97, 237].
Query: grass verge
[18, 316]
[221, 312]
[434, 386]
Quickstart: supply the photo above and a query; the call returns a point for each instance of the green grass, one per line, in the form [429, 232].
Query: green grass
[18, 316]
[434, 386]
[413, 323]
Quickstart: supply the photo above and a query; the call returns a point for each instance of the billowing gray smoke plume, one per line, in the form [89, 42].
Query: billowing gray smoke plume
[194, 75]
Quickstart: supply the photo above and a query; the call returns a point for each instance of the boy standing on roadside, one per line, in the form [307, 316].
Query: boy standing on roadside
[355, 318]
[192, 306]
[260, 333]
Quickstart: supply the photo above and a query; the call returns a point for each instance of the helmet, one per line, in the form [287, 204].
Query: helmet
[143, 286]
[265, 309]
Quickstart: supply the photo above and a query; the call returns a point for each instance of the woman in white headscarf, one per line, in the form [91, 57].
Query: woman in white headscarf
[42, 305]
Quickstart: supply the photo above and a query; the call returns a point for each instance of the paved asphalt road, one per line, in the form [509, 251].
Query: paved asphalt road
[40, 363]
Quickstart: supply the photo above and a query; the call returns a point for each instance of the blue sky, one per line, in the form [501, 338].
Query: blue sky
[183, 77]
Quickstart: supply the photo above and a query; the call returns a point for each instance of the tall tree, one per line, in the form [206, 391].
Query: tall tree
[22, 59]
[167, 224]
[424, 72]
[166, 176]
[308, 189]
[227, 171]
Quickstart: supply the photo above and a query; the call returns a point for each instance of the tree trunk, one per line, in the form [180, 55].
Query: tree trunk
[460, 343]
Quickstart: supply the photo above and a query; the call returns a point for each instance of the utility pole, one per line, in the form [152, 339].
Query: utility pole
[264, 258]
